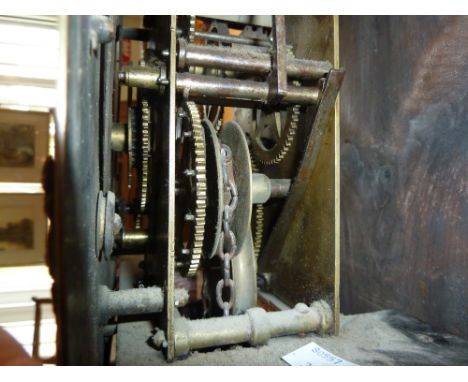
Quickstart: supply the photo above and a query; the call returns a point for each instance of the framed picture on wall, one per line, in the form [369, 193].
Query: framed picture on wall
[24, 139]
[23, 229]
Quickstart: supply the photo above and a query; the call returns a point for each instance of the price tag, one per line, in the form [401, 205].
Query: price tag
[314, 355]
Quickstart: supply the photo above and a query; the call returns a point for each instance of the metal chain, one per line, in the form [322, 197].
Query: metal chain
[227, 247]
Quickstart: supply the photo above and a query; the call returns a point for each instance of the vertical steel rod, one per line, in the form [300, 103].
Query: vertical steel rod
[171, 208]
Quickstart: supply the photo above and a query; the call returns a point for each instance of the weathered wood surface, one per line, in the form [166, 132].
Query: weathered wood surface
[404, 185]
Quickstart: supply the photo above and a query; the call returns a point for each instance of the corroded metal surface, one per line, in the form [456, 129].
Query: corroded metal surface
[81, 165]
[405, 167]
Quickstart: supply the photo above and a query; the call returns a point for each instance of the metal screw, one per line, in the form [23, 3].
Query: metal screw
[187, 134]
[165, 53]
[189, 172]
[189, 217]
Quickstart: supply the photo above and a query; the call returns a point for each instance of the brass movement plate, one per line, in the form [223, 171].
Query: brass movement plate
[302, 250]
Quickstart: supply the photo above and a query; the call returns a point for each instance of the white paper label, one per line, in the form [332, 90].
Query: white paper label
[314, 355]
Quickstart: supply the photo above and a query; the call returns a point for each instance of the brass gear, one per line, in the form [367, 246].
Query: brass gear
[257, 219]
[144, 160]
[287, 123]
[190, 253]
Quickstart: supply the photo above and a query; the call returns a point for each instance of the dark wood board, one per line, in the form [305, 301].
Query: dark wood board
[404, 163]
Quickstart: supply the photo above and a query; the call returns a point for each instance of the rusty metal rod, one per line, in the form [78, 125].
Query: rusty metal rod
[196, 85]
[246, 61]
[199, 86]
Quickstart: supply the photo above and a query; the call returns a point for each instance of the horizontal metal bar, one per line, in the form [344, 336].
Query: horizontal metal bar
[264, 188]
[280, 187]
[136, 301]
[195, 85]
[200, 86]
[244, 60]
[141, 77]
[255, 327]
[261, 188]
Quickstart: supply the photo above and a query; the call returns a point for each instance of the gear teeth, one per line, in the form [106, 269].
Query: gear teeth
[200, 188]
[259, 218]
[191, 36]
[258, 234]
[288, 140]
[145, 155]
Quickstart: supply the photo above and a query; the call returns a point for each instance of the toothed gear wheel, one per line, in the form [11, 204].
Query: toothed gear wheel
[131, 143]
[257, 220]
[144, 157]
[274, 134]
[191, 195]
[145, 141]
[258, 229]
